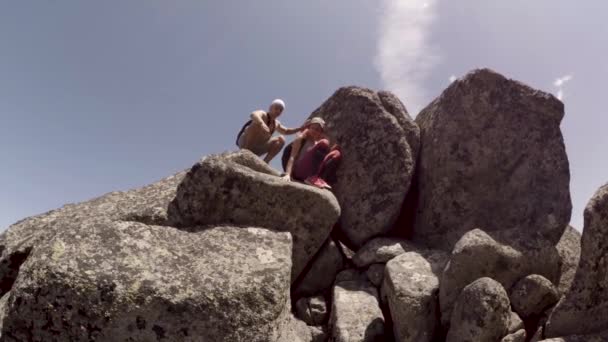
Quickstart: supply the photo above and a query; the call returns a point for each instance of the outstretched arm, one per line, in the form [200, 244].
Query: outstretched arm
[295, 150]
[289, 131]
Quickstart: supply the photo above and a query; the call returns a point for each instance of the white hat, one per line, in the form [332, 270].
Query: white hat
[317, 120]
[278, 102]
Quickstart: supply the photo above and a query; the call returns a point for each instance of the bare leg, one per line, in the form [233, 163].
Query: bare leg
[275, 146]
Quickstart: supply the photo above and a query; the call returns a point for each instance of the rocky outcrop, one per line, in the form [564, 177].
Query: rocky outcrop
[379, 141]
[569, 249]
[111, 281]
[492, 156]
[532, 295]
[478, 255]
[482, 313]
[320, 274]
[411, 285]
[355, 313]
[241, 189]
[587, 301]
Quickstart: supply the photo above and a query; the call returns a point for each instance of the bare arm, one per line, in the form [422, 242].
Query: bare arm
[295, 150]
[288, 131]
[257, 119]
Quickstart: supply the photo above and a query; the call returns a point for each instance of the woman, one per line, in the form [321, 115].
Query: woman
[311, 159]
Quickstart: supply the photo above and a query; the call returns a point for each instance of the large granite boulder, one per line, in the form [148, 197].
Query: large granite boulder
[379, 141]
[492, 156]
[482, 313]
[241, 189]
[355, 314]
[532, 295]
[321, 272]
[585, 307]
[569, 248]
[119, 280]
[411, 285]
[478, 254]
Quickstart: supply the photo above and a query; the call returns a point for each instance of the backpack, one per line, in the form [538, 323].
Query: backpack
[238, 136]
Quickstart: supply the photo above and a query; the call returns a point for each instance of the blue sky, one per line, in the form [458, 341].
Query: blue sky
[97, 96]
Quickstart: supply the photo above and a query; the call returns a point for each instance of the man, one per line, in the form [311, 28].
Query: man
[310, 159]
[257, 135]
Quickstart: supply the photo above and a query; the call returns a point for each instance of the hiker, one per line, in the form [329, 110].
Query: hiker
[310, 158]
[257, 134]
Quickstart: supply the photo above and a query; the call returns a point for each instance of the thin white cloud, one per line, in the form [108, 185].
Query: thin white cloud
[404, 55]
[453, 78]
[560, 82]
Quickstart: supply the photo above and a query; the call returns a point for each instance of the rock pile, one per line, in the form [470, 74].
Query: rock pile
[227, 251]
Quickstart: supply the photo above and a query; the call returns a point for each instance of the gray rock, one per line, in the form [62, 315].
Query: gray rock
[478, 255]
[569, 248]
[411, 285]
[241, 189]
[322, 271]
[375, 274]
[518, 336]
[121, 280]
[379, 142]
[295, 331]
[312, 310]
[584, 306]
[600, 337]
[515, 323]
[382, 250]
[355, 313]
[351, 274]
[492, 156]
[532, 295]
[318, 334]
[482, 313]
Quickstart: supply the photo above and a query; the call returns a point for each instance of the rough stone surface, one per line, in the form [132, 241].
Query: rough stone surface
[600, 337]
[478, 255]
[382, 250]
[482, 313]
[569, 248]
[375, 274]
[295, 331]
[356, 313]
[588, 296]
[108, 281]
[532, 295]
[318, 334]
[320, 274]
[312, 310]
[411, 285]
[241, 189]
[518, 336]
[379, 142]
[492, 156]
[515, 323]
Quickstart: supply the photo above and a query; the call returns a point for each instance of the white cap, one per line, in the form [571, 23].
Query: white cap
[278, 102]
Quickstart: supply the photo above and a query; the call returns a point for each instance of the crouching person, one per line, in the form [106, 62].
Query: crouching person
[311, 159]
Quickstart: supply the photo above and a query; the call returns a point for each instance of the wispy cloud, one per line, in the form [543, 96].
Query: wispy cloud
[559, 84]
[404, 56]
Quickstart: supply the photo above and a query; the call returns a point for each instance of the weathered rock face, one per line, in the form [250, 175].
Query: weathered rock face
[411, 284]
[601, 337]
[478, 255]
[518, 336]
[241, 189]
[110, 281]
[569, 248]
[375, 274]
[382, 250]
[492, 156]
[355, 313]
[379, 142]
[580, 312]
[532, 295]
[320, 275]
[482, 313]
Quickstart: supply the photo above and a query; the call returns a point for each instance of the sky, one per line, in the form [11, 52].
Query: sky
[98, 96]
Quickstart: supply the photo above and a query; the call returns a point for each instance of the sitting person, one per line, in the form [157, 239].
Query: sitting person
[310, 158]
[256, 135]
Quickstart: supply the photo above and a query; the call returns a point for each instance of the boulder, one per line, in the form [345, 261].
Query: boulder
[492, 156]
[478, 255]
[599, 337]
[569, 249]
[515, 323]
[356, 313]
[379, 141]
[411, 285]
[320, 274]
[585, 306]
[312, 310]
[518, 336]
[240, 189]
[295, 331]
[375, 274]
[482, 313]
[122, 280]
[532, 295]
[382, 250]
[318, 334]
